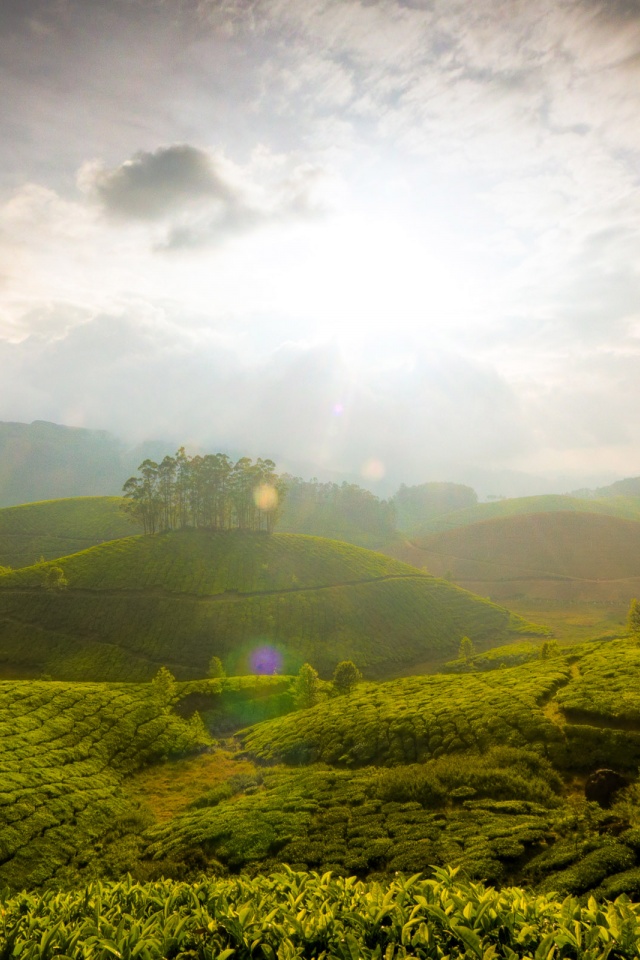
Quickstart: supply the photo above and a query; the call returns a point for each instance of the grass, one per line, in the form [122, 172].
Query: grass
[55, 528]
[177, 599]
[169, 788]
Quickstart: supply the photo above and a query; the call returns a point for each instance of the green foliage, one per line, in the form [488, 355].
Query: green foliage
[141, 601]
[306, 689]
[549, 648]
[216, 669]
[466, 650]
[608, 685]
[54, 578]
[57, 528]
[506, 655]
[339, 512]
[415, 718]
[64, 750]
[416, 506]
[346, 677]
[294, 915]
[633, 620]
[163, 687]
[209, 491]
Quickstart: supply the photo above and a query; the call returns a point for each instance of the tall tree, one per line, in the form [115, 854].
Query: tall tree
[633, 620]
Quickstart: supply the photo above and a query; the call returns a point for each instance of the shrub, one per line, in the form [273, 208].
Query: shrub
[346, 676]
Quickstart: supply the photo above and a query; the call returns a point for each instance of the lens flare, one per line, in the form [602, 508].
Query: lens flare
[265, 497]
[265, 660]
[373, 469]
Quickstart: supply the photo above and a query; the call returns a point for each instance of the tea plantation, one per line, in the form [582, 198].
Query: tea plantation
[307, 915]
[64, 751]
[55, 528]
[132, 605]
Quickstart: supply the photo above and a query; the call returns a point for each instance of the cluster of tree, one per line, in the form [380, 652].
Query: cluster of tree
[205, 491]
[307, 686]
[340, 511]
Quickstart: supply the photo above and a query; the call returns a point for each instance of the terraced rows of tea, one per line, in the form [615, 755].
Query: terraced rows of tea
[64, 750]
[179, 598]
[55, 528]
[468, 770]
[413, 719]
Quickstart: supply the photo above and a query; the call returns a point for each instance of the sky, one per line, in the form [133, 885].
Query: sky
[389, 239]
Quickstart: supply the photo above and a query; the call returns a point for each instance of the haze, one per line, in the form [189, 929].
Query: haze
[394, 239]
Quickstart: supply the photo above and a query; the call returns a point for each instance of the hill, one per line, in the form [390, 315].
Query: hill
[562, 555]
[259, 602]
[55, 528]
[624, 507]
[480, 771]
[42, 460]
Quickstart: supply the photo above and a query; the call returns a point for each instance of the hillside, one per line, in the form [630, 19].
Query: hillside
[482, 772]
[56, 528]
[43, 460]
[624, 507]
[562, 555]
[257, 601]
[65, 750]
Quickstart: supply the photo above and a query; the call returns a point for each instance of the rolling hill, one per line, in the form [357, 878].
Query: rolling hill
[56, 528]
[261, 603]
[624, 507]
[565, 556]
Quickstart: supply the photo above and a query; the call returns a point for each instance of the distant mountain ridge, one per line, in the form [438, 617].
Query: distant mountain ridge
[46, 461]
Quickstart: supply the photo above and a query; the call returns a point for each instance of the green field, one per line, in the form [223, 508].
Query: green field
[55, 528]
[625, 508]
[177, 599]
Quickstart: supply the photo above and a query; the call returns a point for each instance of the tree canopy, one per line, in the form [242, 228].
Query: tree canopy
[205, 491]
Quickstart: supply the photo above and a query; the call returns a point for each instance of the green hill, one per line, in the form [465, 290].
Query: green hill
[56, 528]
[476, 771]
[625, 507]
[259, 602]
[564, 555]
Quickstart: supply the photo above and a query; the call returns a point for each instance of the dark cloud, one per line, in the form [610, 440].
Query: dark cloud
[152, 185]
[198, 195]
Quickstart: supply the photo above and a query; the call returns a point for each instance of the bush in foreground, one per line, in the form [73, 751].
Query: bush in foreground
[307, 915]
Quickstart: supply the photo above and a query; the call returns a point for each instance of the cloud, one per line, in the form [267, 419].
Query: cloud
[200, 196]
[152, 185]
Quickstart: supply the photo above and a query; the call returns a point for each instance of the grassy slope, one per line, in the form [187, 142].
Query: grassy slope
[626, 508]
[177, 599]
[565, 555]
[55, 528]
